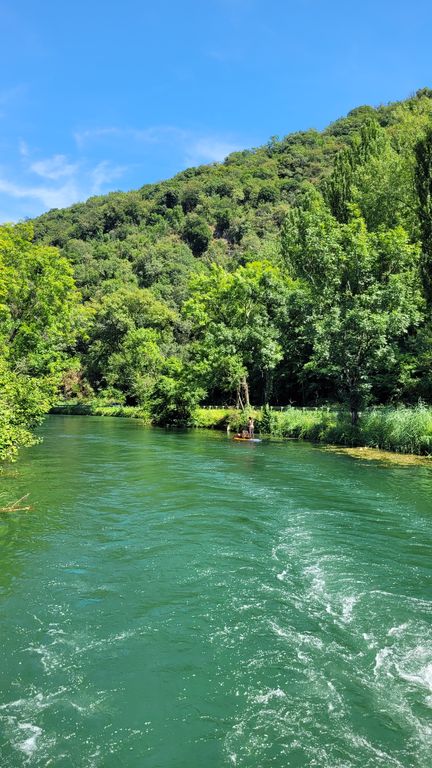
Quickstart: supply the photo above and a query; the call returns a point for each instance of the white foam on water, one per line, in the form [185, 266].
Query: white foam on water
[246, 607]
[423, 678]
[285, 549]
[397, 631]
[381, 658]
[29, 745]
[264, 698]
[38, 701]
[348, 604]
[334, 699]
[278, 630]
[415, 667]
[317, 577]
[403, 675]
[13, 704]
[380, 757]
[370, 640]
[419, 603]
[50, 660]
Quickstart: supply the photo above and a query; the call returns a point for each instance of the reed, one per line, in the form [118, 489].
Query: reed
[402, 429]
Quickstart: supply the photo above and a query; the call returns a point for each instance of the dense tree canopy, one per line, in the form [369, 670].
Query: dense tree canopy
[296, 272]
[366, 295]
[38, 320]
[236, 327]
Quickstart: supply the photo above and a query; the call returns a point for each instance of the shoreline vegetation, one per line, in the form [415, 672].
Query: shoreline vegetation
[297, 272]
[404, 430]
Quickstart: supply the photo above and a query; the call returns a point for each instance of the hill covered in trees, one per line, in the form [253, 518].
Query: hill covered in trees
[298, 272]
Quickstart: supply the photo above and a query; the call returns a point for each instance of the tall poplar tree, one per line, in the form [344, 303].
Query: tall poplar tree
[423, 178]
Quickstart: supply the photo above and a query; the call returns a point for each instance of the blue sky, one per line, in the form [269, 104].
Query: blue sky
[98, 95]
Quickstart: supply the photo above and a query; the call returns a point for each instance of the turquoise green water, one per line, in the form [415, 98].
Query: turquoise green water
[178, 600]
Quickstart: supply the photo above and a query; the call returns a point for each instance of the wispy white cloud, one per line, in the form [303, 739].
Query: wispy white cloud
[63, 182]
[89, 135]
[193, 147]
[104, 173]
[152, 135]
[50, 197]
[34, 183]
[54, 168]
[208, 149]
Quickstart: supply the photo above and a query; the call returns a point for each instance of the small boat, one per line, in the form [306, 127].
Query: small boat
[247, 439]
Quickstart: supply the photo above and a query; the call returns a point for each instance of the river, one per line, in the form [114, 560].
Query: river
[178, 600]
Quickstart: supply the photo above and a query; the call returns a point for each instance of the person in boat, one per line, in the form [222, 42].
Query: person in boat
[251, 427]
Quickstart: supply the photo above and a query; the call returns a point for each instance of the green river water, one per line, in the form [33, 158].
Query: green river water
[178, 600]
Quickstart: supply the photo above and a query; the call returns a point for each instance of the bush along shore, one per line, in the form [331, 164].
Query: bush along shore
[401, 429]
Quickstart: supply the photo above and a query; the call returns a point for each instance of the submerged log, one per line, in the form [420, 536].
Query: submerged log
[14, 506]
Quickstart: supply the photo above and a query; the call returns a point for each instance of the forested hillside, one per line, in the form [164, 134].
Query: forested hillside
[298, 272]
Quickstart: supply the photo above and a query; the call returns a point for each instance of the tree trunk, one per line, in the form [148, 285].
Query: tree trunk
[354, 416]
[245, 390]
[268, 387]
[239, 402]
[354, 403]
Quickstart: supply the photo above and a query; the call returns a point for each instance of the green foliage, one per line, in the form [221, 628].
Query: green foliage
[101, 407]
[302, 423]
[23, 403]
[366, 295]
[234, 325]
[166, 267]
[175, 396]
[213, 418]
[268, 421]
[38, 319]
[424, 192]
[37, 301]
[128, 335]
[197, 234]
[289, 273]
[406, 430]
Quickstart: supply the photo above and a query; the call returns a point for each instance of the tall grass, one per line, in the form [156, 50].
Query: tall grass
[297, 422]
[401, 429]
[405, 430]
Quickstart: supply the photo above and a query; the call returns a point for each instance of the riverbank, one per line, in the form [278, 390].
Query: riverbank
[97, 408]
[400, 430]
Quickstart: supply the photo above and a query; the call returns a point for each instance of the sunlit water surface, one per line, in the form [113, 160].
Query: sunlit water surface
[177, 600]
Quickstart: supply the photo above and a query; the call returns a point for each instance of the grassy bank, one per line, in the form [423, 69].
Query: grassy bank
[98, 408]
[402, 429]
